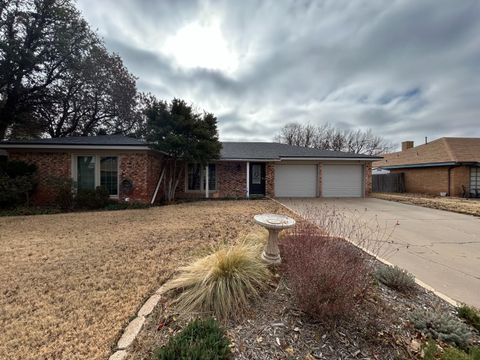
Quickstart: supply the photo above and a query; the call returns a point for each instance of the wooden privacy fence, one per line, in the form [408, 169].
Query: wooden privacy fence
[388, 183]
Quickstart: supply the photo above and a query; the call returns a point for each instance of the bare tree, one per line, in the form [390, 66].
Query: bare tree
[326, 137]
[56, 76]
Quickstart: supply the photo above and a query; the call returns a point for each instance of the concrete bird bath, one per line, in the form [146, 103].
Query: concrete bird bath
[274, 224]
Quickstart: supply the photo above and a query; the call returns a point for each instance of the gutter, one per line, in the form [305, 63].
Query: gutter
[412, 166]
[331, 158]
[299, 159]
[66, 147]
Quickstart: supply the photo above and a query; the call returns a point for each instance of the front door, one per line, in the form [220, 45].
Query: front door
[257, 179]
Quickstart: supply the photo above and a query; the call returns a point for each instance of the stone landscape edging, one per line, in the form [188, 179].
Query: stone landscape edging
[386, 262]
[134, 327]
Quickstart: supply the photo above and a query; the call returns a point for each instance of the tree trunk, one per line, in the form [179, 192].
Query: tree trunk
[7, 115]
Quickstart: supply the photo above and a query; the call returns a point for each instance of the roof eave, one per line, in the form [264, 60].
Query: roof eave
[324, 158]
[300, 158]
[74, 147]
[247, 159]
[423, 165]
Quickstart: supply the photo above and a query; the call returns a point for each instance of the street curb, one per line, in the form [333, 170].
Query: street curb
[386, 262]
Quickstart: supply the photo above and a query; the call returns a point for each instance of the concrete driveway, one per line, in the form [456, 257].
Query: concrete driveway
[440, 248]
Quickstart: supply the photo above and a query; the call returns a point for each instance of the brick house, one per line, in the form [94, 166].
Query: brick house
[446, 165]
[131, 171]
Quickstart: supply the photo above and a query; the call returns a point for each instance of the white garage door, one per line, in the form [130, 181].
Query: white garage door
[342, 180]
[296, 180]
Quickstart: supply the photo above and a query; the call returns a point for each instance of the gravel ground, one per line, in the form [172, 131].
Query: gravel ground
[275, 329]
[69, 283]
[459, 205]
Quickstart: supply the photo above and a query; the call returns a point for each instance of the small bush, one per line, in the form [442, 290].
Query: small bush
[396, 278]
[92, 199]
[442, 327]
[470, 315]
[221, 283]
[15, 168]
[63, 189]
[456, 354]
[17, 183]
[430, 350]
[115, 205]
[24, 211]
[328, 275]
[201, 339]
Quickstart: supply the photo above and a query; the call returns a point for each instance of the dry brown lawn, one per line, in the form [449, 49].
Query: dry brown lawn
[460, 205]
[69, 283]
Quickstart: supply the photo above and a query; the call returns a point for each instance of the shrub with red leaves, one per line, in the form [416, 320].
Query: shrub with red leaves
[327, 275]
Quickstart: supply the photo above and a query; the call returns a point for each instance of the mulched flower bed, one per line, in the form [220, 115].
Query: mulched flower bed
[274, 328]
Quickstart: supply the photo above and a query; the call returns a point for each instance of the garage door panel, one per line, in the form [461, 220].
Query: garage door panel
[296, 180]
[342, 180]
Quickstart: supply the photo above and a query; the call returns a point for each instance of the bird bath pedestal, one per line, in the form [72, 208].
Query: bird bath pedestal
[274, 224]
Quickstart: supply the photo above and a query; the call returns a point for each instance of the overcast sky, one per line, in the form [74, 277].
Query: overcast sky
[406, 68]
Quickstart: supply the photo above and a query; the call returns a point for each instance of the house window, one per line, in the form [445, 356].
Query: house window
[196, 177]
[109, 174]
[85, 172]
[256, 174]
[475, 181]
[92, 171]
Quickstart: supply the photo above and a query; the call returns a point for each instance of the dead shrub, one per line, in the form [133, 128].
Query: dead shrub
[327, 275]
[357, 226]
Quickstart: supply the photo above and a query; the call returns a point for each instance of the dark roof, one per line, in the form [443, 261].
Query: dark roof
[230, 150]
[274, 151]
[100, 140]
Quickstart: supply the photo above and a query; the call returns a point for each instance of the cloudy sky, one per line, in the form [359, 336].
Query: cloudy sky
[405, 68]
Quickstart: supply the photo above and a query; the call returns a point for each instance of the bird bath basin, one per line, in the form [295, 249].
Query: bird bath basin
[274, 224]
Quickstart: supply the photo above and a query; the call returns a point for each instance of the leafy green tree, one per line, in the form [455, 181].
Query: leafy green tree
[183, 134]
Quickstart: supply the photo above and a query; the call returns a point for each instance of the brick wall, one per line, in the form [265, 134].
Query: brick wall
[232, 179]
[319, 172]
[270, 179]
[142, 168]
[231, 182]
[367, 172]
[459, 176]
[134, 167]
[49, 165]
[434, 180]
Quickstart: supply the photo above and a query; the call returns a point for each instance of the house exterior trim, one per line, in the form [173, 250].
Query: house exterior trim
[75, 147]
[425, 165]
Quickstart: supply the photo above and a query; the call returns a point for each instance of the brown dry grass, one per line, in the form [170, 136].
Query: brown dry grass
[454, 204]
[69, 283]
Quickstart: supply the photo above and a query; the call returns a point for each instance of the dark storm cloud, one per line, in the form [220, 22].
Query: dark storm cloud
[405, 68]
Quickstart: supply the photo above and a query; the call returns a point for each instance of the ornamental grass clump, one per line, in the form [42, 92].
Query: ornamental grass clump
[221, 284]
[396, 278]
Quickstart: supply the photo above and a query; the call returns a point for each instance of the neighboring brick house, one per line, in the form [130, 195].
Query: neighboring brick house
[130, 170]
[446, 165]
